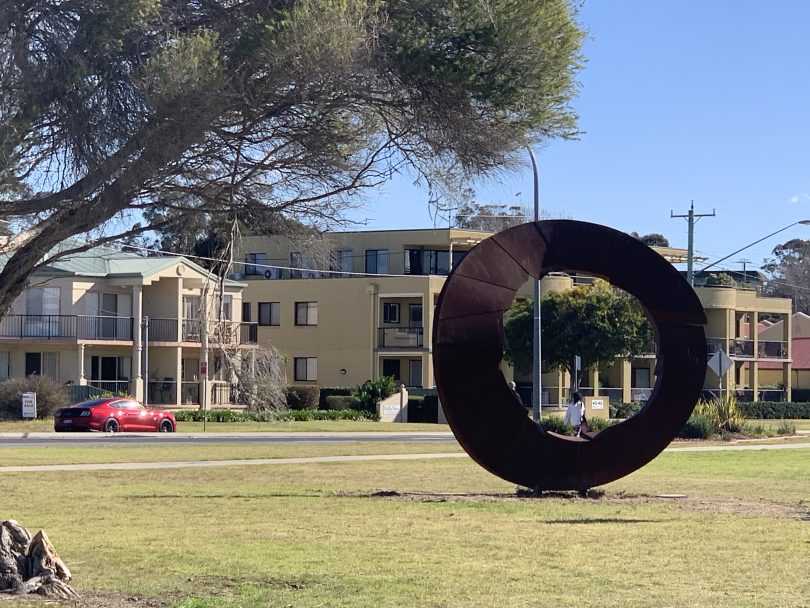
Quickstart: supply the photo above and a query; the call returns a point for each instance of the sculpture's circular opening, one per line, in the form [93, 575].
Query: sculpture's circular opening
[468, 347]
[598, 340]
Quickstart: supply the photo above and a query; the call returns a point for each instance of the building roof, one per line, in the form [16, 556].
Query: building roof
[106, 262]
[800, 355]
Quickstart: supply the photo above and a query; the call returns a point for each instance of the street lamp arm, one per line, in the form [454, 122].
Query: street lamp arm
[803, 222]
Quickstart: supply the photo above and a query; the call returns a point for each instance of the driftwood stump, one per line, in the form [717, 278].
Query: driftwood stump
[31, 565]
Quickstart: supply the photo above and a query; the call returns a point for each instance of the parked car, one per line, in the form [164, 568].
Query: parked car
[113, 415]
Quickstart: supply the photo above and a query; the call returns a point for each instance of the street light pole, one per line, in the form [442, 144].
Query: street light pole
[537, 384]
[802, 222]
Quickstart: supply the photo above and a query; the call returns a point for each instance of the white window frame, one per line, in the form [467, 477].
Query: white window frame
[391, 312]
[306, 313]
[305, 369]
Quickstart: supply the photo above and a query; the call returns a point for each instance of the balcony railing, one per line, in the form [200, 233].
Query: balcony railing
[743, 348]
[162, 330]
[400, 337]
[232, 332]
[162, 392]
[190, 393]
[111, 386]
[192, 330]
[105, 328]
[772, 349]
[66, 327]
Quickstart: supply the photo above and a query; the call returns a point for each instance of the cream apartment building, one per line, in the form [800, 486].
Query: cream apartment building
[109, 320]
[363, 308]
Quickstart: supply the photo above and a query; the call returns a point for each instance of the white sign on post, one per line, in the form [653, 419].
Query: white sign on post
[597, 404]
[29, 405]
[720, 363]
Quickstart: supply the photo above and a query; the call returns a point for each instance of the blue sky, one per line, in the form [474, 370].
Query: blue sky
[680, 100]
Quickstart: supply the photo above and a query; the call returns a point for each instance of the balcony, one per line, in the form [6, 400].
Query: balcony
[400, 337]
[744, 349]
[67, 327]
[231, 333]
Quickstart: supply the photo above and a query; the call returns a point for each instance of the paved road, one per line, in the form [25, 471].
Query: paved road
[74, 439]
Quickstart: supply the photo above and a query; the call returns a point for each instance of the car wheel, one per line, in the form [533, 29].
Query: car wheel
[166, 427]
[112, 426]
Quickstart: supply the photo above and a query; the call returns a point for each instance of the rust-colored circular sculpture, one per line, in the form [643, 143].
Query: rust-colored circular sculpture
[486, 418]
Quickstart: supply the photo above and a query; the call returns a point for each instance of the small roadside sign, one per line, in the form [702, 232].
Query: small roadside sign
[29, 405]
[203, 368]
[720, 363]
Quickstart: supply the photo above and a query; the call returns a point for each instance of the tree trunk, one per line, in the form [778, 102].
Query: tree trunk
[31, 565]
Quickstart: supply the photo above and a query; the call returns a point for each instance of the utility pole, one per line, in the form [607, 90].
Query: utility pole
[537, 378]
[691, 218]
[744, 261]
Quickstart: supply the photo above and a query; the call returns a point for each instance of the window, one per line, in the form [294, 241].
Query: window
[415, 315]
[255, 263]
[429, 261]
[342, 262]
[376, 261]
[390, 367]
[42, 301]
[269, 313]
[246, 312]
[306, 313]
[390, 312]
[306, 368]
[227, 307]
[5, 365]
[44, 364]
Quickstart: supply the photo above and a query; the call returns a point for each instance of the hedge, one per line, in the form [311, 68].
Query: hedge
[333, 391]
[775, 409]
[303, 397]
[339, 403]
[287, 416]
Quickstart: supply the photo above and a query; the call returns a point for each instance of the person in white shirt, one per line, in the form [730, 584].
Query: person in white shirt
[575, 413]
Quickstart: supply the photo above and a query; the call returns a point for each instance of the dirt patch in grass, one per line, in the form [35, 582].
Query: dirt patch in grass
[207, 586]
[727, 506]
[87, 599]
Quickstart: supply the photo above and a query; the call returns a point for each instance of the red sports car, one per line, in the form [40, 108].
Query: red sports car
[113, 415]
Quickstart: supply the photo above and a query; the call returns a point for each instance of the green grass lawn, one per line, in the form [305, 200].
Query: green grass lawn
[441, 533]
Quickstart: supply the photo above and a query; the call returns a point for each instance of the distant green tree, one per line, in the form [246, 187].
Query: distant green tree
[720, 279]
[789, 273]
[653, 239]
[597, 322]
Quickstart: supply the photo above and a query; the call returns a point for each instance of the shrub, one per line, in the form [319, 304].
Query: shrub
[330, 391]
[339, 402]
[371, 392]
[699, 426]
[51, 396]
[758, 430]
[624, 410]
[786, 428]
[303, 397]
[723, 412]
[554, 424]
